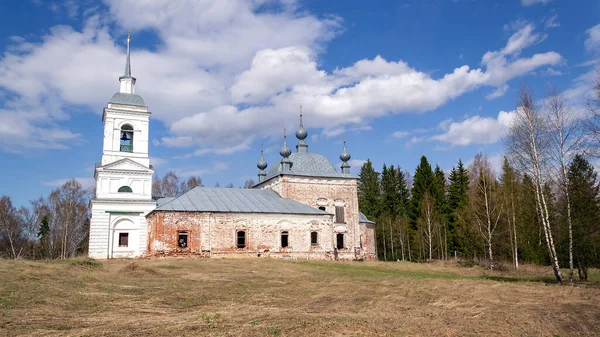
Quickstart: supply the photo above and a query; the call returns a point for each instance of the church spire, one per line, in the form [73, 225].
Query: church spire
[128, 59]
[301, 134]
[127, 81]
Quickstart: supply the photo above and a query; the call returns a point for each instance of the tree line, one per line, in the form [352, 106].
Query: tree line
[54, 227]
[542, 207]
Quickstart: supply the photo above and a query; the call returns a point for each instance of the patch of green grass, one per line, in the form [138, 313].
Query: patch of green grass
[209, 318]
[273, 331]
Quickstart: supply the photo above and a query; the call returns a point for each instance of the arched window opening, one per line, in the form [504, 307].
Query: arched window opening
[125, 189]
[241, 239]
[284, 239]
[322, 208]
[314, 238]
[126, 138]
[340, 241]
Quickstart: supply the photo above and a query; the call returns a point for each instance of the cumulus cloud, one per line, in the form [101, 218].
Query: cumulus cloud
[592, 42]
[225, 73]
[476, 130]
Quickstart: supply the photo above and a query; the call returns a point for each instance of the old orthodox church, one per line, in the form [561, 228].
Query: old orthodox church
[303, 208]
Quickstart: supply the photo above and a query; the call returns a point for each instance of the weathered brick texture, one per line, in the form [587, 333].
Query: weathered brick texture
[215, 234]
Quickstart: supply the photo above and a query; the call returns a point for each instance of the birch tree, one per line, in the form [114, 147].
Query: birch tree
[527, 144]
[484, 204]
[427, 223]
[565, 138]
[11, 229]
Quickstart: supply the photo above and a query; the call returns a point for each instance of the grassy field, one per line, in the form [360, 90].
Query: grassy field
[267, 297]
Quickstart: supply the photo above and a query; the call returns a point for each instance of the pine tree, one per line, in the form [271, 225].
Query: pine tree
[441, 203]
[403, 202]
[369, 191]
[509, 182]
[43, 235]
[422, 184]
[584, 190]
[422, 189]
[529, 224]
[458, 198]
[389, 203]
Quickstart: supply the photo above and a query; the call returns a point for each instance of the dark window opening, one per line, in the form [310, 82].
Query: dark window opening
[123, 239]
[284, 239]
[339, 214]
[126, 140]
[125, 189]
[340, 241]
[241, 239]
[314, 238]
[322, 208]
[182, 240]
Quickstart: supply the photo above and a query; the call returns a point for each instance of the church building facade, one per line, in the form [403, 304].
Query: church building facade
[302, 208]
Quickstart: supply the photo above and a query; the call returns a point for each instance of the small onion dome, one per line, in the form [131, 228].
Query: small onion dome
[285, 150]
[261, 164]
[345, 156]
[301, 134]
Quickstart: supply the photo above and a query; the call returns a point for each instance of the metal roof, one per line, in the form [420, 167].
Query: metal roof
[308, 164]
[363, 218]
[127, 99]
[162, 201]
[236, 200]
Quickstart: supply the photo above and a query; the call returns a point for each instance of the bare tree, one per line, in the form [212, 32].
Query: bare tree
[428, 222]
[12, 229]
[168, 186]
[249, 183]
[191, 183]
[565, 137]
[527, 143]
[484, 204]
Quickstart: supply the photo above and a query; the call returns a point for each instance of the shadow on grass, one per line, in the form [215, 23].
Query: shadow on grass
[541, 279]
[357, 270]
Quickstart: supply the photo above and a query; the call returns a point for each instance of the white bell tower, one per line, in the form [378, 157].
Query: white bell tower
[123, 176]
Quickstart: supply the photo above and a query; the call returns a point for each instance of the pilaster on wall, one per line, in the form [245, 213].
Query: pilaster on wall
[99, 229]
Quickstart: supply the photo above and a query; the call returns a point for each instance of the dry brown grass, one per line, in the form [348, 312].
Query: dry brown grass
[267, 297]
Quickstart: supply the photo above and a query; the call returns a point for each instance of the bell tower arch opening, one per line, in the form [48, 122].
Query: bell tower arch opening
[126, 138]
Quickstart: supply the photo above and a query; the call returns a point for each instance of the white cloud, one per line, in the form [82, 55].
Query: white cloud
[226, 72]
[592, 43]
[413, 141]
[400, 134]
[553, 72]
[85, 182]
[476, 130]
[533, 2]
[552, 22]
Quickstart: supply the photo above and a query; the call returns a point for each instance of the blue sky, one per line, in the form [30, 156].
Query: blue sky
[397, 79]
